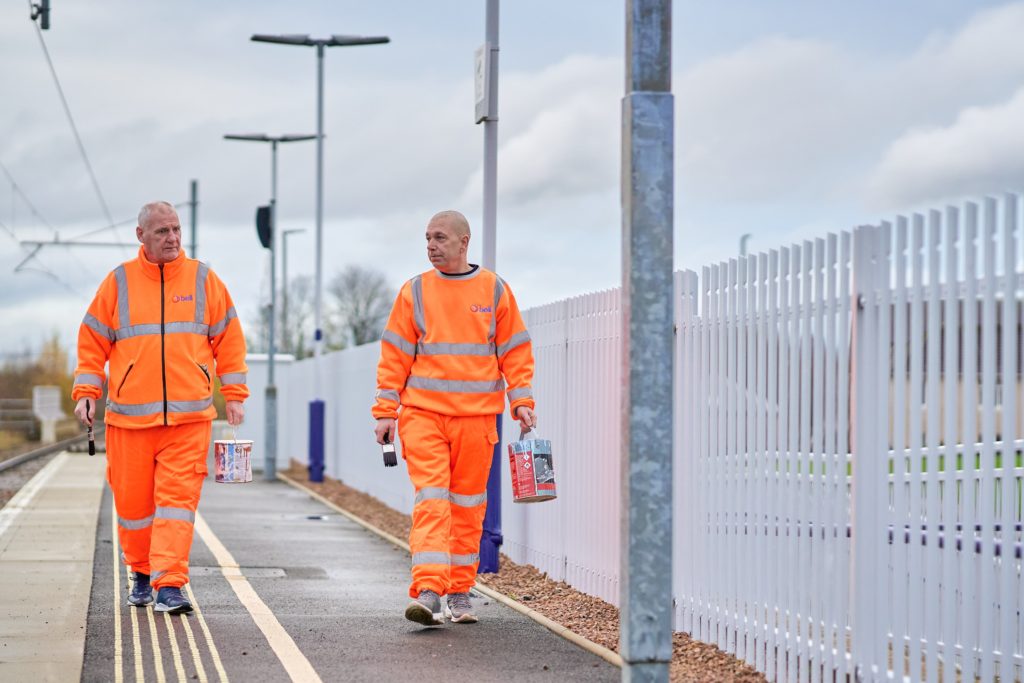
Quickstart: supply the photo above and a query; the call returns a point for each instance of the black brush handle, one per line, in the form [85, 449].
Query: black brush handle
[92, 441]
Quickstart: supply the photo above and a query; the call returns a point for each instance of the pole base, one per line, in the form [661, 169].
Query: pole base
[316, 440]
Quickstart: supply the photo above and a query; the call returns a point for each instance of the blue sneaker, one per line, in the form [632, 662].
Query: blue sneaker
[142, 592]
[170, 599]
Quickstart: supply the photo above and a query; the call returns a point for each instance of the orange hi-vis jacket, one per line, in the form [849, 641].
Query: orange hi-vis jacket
[447, 344]
[162, 328]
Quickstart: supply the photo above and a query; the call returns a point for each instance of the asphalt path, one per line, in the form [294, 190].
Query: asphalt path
[288, 589]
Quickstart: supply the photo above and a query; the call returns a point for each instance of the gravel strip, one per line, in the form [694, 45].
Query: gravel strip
[584, 614]
[13, 479]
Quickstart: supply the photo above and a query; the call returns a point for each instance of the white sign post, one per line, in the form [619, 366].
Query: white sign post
[46, 407]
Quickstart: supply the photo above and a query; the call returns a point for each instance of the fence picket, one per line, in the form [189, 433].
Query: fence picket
[1008, 573]
[986, 502]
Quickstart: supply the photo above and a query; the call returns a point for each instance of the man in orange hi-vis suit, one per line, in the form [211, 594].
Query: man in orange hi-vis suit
[453, 333]
[166, 324]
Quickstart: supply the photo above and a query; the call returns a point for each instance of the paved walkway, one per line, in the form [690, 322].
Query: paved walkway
[286, 589]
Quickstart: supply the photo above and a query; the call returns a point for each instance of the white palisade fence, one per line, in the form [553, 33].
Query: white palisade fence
[849, 421]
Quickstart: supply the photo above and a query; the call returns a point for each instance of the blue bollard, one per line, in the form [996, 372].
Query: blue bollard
[491, 539]
[316, 440]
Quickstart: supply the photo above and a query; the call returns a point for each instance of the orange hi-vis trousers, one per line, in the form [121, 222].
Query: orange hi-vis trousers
[448, 459]
[156, 475]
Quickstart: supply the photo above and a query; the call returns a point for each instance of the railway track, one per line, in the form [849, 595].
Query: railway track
[16, 471]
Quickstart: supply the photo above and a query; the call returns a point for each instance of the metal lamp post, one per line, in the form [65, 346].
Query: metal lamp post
[284, 288]
[487, 113]
[316, 406]
[270, 435]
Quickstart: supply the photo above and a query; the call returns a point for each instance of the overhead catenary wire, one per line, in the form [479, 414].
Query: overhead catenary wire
[126, 221]
[74, 127]
[24, 197]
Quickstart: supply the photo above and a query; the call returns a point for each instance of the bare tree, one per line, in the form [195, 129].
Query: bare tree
[361, 299]
[294, 326]
[296, 322]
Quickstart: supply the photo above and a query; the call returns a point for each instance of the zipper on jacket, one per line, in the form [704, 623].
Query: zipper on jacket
[124, 379]
[163, 359]
[199, 365]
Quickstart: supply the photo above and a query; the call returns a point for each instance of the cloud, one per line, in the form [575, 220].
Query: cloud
[566, 144]
[982, 151]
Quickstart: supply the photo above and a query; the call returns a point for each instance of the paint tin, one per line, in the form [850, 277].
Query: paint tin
[232, 461]
[533, 472]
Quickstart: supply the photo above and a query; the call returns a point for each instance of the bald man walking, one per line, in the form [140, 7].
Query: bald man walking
[166, 326]
[454, 338]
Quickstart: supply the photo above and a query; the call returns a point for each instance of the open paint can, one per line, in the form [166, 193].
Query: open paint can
[232, 461]
[533, 472]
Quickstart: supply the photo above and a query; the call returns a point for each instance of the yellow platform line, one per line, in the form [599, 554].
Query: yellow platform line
[118, 645]
[217, 664]
[193, 648]
[175, 652]
[136, 631]
[289, 654]
[158, 658]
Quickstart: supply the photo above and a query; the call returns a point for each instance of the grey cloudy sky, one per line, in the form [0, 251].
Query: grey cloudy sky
[793, 117]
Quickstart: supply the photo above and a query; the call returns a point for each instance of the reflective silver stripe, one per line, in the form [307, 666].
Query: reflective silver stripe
[517, 339]
[135, 409]
[157, 574]
[220, 326]
[399, 342]
[431, 493]
[134, 524]
[140, 409]
[154, 328]
[430, 558]
[201, 274]
[123, 315]
[136, 331]
[468, 501]
[192, 328]
[99, 328]
[90, 379]
[499, 288]
[232, 378]
[465, 560]
[417, 304]
[455, 386]
[388, 395]
[189, 406]
[449, 349]
[181, 514]
[520, 392]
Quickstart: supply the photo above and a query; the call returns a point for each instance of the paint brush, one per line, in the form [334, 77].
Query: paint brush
[388, 448]
[92, 440]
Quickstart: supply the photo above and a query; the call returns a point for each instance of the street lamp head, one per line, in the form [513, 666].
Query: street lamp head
[333, 41]
[254, 137]
[290, 39]
[263, 137]
[337, 40]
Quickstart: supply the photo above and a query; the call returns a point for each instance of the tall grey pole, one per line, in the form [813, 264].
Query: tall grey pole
[270, 435]
[648, 338]
[318, 301]
[491, 538]
[193, 208]
[491, 142]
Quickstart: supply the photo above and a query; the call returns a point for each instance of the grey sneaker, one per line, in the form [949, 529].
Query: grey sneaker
[142, 593]
[459, 609]
[426, 609]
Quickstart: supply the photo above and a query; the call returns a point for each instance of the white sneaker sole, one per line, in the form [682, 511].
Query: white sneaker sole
[420, 614]
[183, 609]
[467, 618]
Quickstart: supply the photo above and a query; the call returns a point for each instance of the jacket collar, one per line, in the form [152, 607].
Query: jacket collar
[152, 270]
